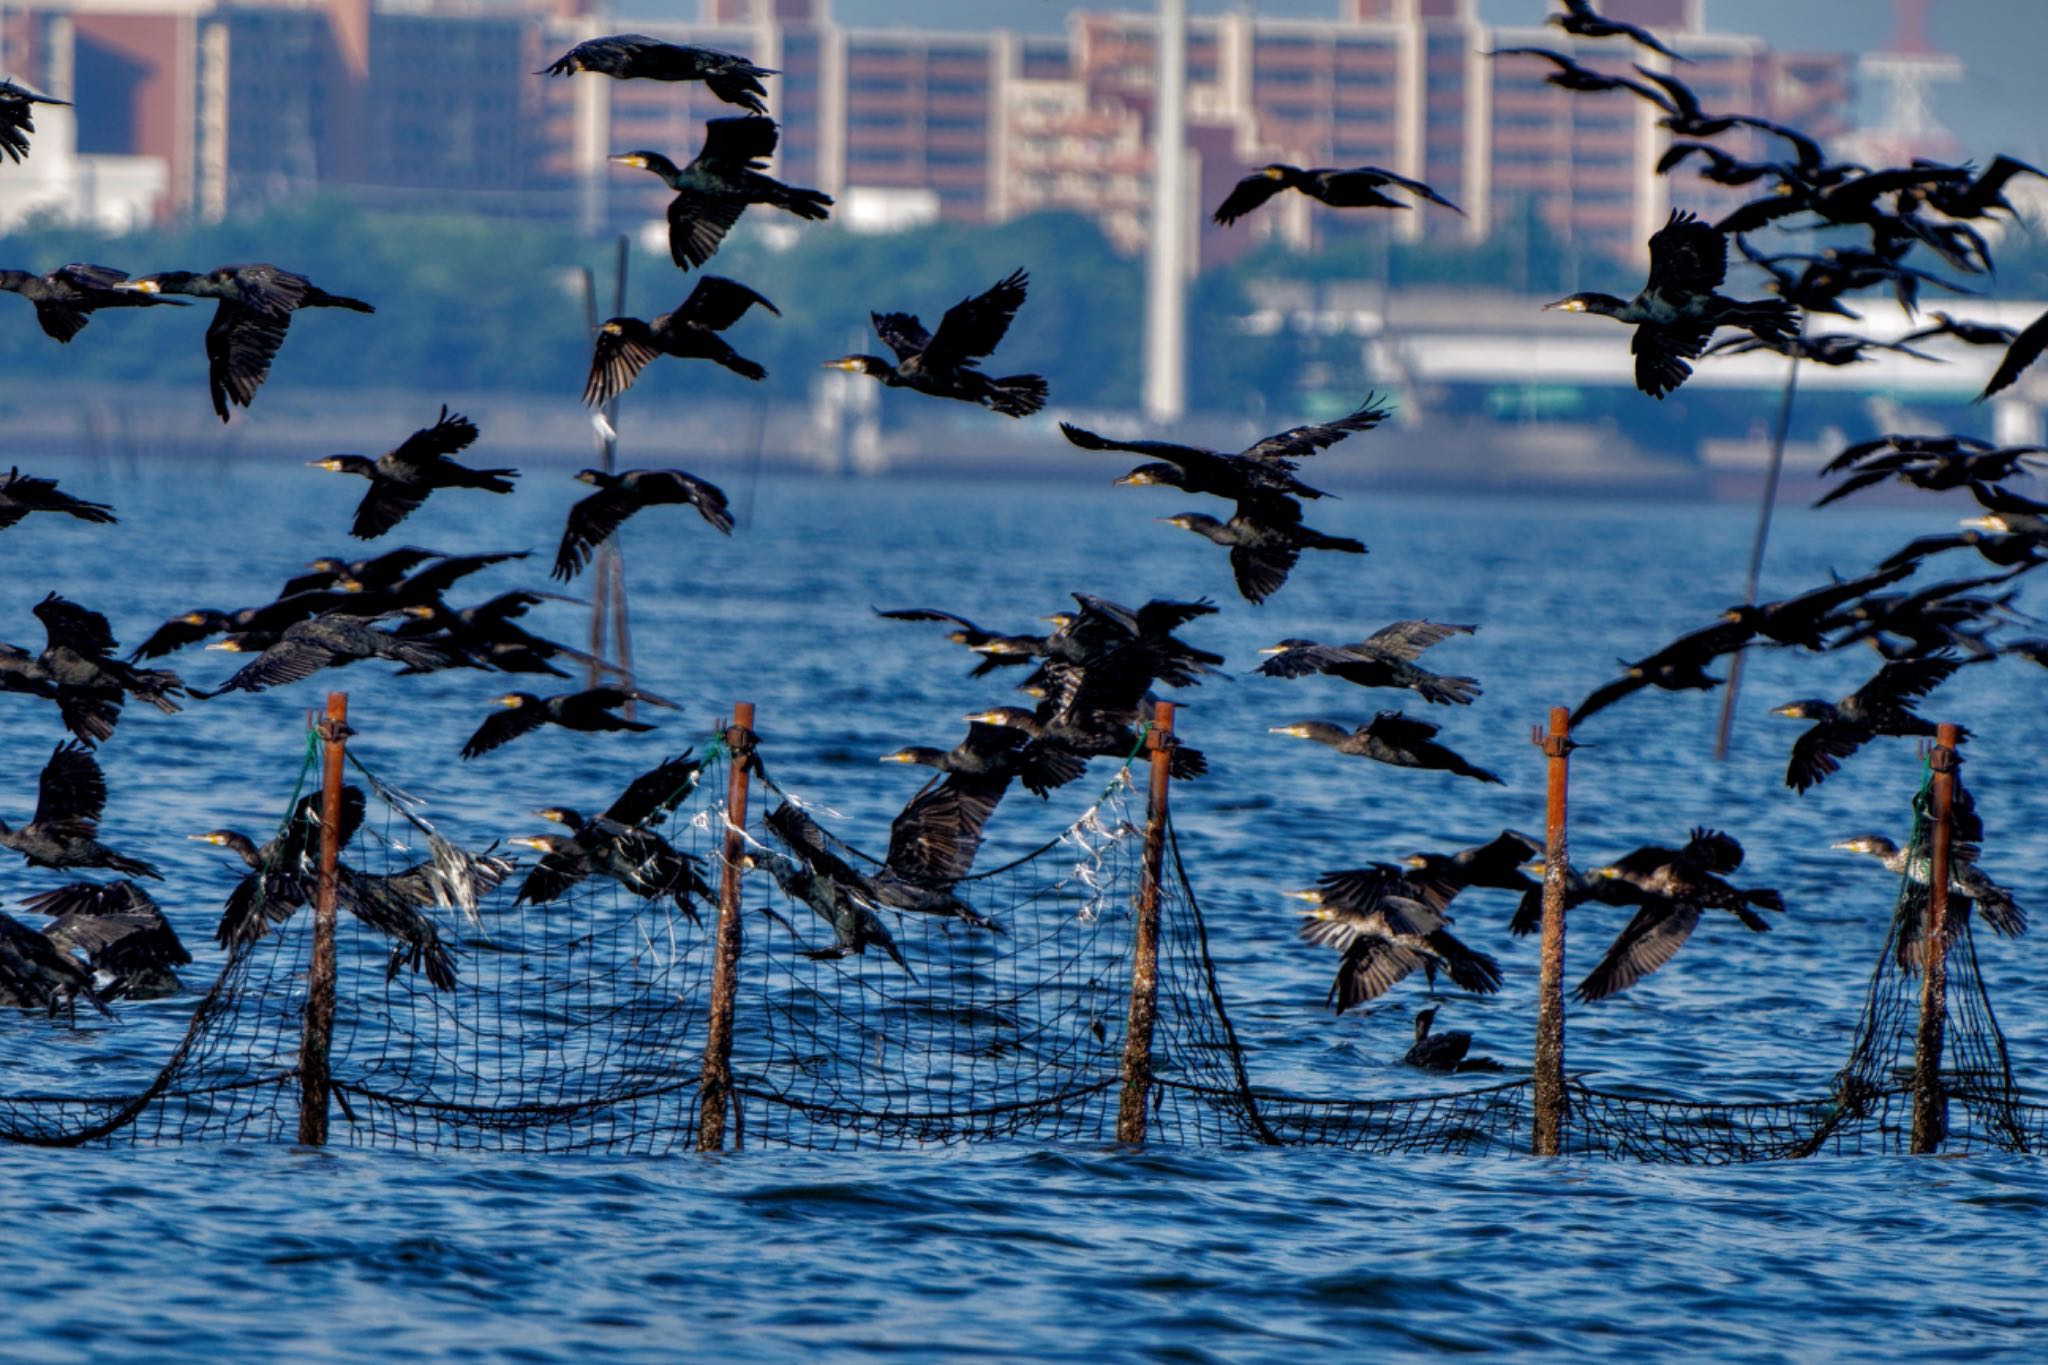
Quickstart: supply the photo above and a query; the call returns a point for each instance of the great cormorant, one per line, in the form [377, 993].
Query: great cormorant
[1390, 738]
[1386, 658]
[1268, 466]
[625, 346]
[21, 494]
[401, 480]
[67, 295]
[635, 56]
[64, 831]
[17, 117]
[589, 712]
[715, 188]
[1582, 21]
[1882, 706]
[1339, 189]
[942, 363]
[593, 520]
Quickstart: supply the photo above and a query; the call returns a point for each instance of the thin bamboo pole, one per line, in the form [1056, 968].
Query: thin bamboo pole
[1549, 1094]
[1137, 1067]
[315, 1081]
[1929, 1103]
[716, 1085]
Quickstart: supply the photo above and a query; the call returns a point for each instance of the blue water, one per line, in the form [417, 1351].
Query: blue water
[205, 1252]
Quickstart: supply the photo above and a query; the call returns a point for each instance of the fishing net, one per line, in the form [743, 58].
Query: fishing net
[580, 1023]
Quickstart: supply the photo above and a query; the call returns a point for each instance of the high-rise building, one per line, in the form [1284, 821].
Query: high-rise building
[435, 104]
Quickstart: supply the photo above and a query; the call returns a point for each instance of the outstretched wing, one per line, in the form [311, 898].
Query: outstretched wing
[717, 303]
[1820, 751]
[1649, 941]
[935, 837]
[70, 626]
[72, 789]
[625, 346]
[739, 141]
[902, 333]
[2026, 348]
[1247, 195]
[656, 791]
[1297, 442]
[975, 326]
[1687, 256]
[1407, 639]
[385, 505]
[503, 726]
[697, 224]
[448, 435]
[240, 344]
[591, 523]
[1606, 695]
[1157, 450]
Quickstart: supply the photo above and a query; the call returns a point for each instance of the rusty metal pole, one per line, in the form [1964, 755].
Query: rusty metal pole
[1928, 1101]
[716, 1086]
[1549, 1075]
[1137, 1068]
[315, 1084]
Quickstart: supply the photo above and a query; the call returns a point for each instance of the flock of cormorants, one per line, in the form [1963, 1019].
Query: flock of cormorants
[1094, 672]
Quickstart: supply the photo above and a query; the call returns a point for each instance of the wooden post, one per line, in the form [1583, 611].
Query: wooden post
[1137, 1068]
[1549, 1074]
[716, 1086]
[315, 1085]
[1928, 1102]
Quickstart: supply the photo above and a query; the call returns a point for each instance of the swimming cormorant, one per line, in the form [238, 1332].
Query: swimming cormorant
[1390, 738]
[625, 346]
[1882, 706]
[64, 297]
[589, 712]
[1446, 1051]
[21, 494]
[401, 480]
[1386, 658]
[593, 520]
[635, 56]
[65, 829]
[942, 363]
[256, 303]
[715, 189]
[1678, 309]
[1339, 189]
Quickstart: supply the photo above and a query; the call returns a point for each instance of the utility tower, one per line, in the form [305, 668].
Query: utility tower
[1903, 76]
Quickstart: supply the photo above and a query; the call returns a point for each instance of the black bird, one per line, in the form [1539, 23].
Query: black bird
[1679, 666]
[1578, 79]
[268, 620]
[1934, 618]
[1828, 348]
[613, 842]
[588, 711]
[64, 297]
[372, 574]
[2006, 551]
[1339, 189]
[593, 520]
[1386, 658]
[1849, 202]
[488, 635]
[120, 932]
[992, 753]
[65, 829]
[284, 875]
[856, 927]
[1963, 330]
[635, 56]
[1496, 864]
[1580, 20]
[1977, 198]
[1683, 114]
[1390, 738]
[401, 480]
[21, 494]
[1966, 881]
[1882, 706]
[1678, 309]
[1266, 537]
[256, 303]
[35, 974]
[1446, 1051]
[942, 363]
[328, 641]
[996, 649]
[2026, 348]
[1803, 620]
[1265, 467]
[715, 189]
[1934, 463]
[1385, 935]
[625, 346]
[1673, 887]
[17, 117]
[78, 662]
[1089, 732]
[892, 887]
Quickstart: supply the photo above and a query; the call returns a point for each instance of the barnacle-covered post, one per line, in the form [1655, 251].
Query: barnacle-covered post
[1549, 1078]
[1137, 1069]
[315, 1085]
[1929, 1104]
[715, 1088]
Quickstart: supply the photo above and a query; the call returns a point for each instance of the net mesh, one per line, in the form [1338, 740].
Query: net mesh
[579, 1024]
